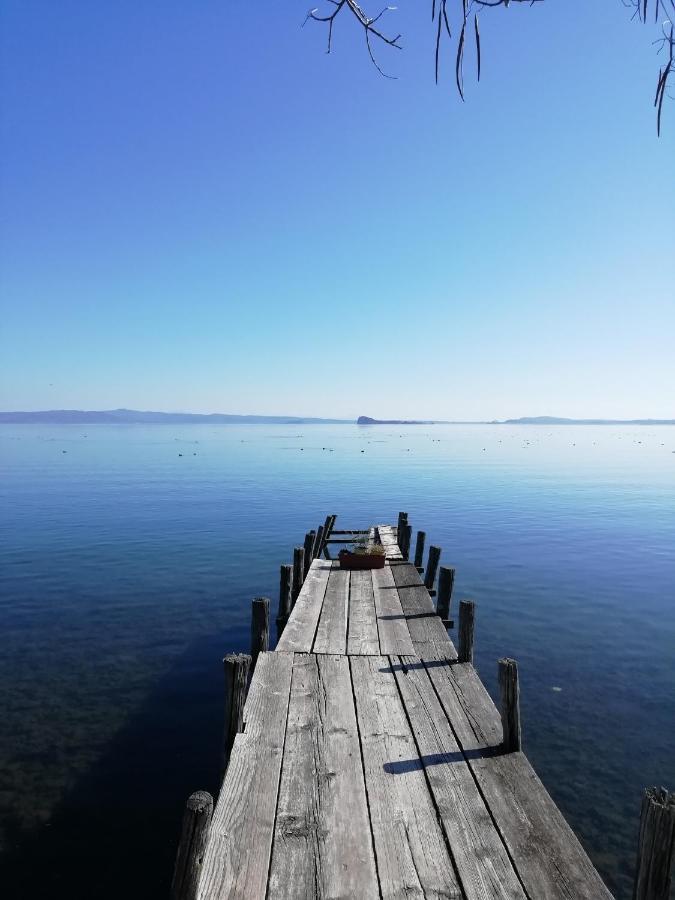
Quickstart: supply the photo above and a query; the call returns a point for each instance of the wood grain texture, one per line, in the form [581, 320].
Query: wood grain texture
[484, 868]
[412, 857]
[236, 860]
[427, 632]
[322, 842]
[331, 635]
[298, 635]
[362, 636]
[387, 534]
[391, 622]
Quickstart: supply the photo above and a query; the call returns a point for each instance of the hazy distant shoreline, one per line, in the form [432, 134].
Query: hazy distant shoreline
[137, 417]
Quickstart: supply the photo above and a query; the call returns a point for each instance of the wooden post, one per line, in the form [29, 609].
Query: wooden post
[446, 580]
[298, 569]
[285, 602]
[402, 520]
[407, 537]
[432, 566]
[194, 833]
[318, 544]
[510, 704]
[310, 538]
[237, 666]
[260, 627]
[467, 612]
[419, 548]
[656, 845]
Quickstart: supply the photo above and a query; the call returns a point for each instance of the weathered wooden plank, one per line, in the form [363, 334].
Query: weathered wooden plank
[331, 635]
[427, 631]
[412, 857]
[549, 859]
[362, 635]
[237, 856]
[391, 622]
[298, 635]
[387, 535]
[322, 841]
[483, 865]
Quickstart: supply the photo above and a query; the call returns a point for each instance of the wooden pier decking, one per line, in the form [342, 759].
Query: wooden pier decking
[372, 764]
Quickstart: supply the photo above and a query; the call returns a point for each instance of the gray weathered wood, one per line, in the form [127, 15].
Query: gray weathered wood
[388, 540]
[362, 636]
[237, 857]
[509, 693]
[402, 520]
[310, 537]
[412, 857]
[407, 537]
[193, 838]
[467, 614]
[331, 635]
[392, 625]
[322, 841]
[237, 667]
[483, 865]
[318, 543]
[446, 580]
[285, 601]
[656, 846]
[298, 572]
[300, 629]
[427, 632]
[419, 548]
[549, 860]
[260, 627]
[432, 566]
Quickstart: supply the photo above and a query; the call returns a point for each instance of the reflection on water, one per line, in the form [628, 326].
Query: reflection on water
[130, 559]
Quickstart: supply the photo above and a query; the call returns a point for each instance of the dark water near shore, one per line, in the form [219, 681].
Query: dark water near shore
[128, 570]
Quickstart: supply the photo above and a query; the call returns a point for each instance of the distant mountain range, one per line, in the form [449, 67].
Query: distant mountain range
[136, 417]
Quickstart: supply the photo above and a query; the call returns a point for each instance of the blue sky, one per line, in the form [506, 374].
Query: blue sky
[203, 211]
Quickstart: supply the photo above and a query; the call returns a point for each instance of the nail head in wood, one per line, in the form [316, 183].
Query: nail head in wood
[194, 834]
[509, 693]
[467, 613]
[260, 627]
[237, 667]
[432, 567]
[656, 845]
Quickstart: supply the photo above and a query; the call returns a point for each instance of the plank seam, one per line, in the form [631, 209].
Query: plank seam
[318, 618]
[365, 780]
[473, 774]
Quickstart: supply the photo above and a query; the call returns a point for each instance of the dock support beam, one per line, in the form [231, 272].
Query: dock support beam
[285, 603]
[510, 704]
[195, 831]
[310, 538]
[432, 566]
[407, 537]
[446, 580]
[318, 543]
[237, 667]
[402, 520]
[260, 627]
[298, 570]
[467, 612]
[656, 846]
[419, 549]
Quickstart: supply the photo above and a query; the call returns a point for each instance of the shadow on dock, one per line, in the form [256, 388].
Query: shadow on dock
[114, 833]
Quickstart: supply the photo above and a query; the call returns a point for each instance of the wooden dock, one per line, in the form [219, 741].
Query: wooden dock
[373, 763]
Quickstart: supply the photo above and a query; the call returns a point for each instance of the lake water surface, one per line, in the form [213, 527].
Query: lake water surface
[130, 555]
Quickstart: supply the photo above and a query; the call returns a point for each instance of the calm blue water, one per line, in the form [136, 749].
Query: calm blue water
[128, 570]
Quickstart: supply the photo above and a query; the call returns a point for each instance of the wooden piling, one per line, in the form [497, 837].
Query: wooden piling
[310, 538]
[285, 601]
[467, 611]
[402, 520]
[237, 667]
[656, 846]
[298, 570]
[419, 549]
[194, 834]
[509, 704]
[260, 627]
[432, 566]
[446, 580]
[318, 544]
[407, 537]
